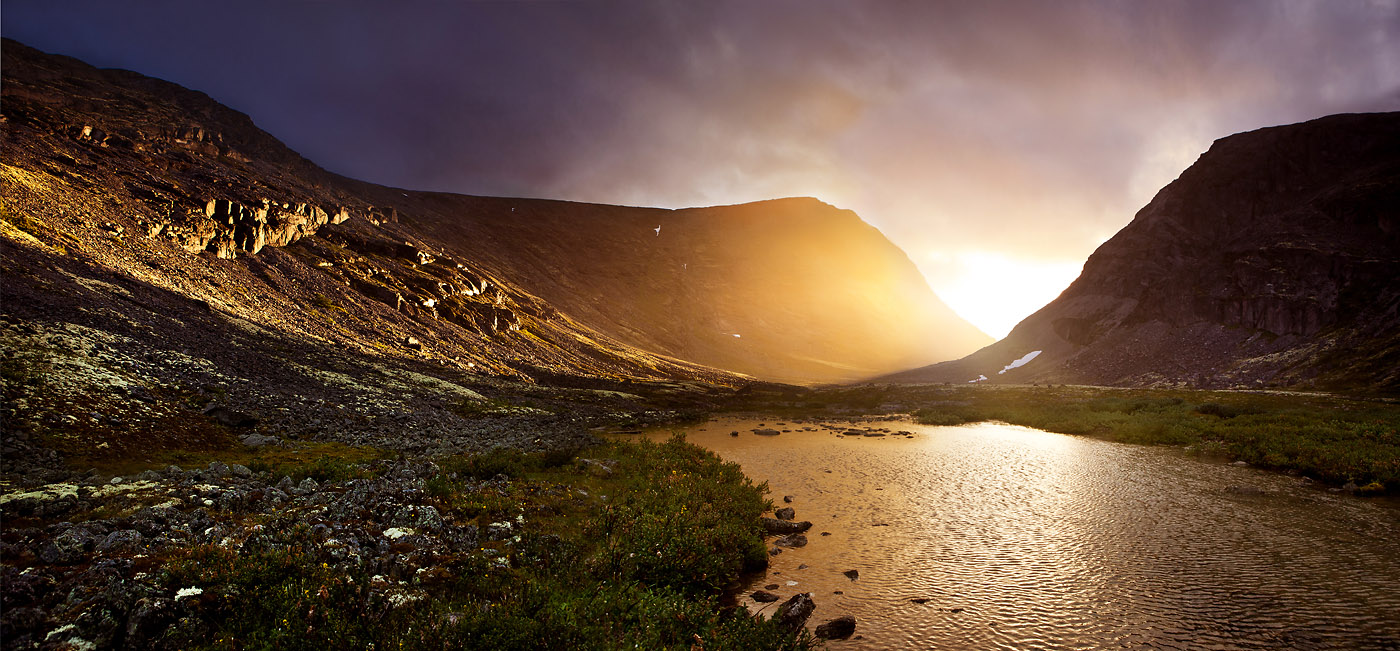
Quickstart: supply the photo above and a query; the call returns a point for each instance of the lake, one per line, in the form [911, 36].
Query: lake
[997, 536]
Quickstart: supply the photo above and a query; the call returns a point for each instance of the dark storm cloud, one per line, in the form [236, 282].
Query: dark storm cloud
[1034, 129]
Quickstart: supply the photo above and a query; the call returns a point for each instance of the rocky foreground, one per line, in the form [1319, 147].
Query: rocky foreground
[481, 551]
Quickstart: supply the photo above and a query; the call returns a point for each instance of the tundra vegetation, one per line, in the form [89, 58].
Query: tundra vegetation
[1335, 439]
[620, 545]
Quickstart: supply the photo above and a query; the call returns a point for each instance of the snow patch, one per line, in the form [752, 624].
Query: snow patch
[980, 378]
[1020, 362]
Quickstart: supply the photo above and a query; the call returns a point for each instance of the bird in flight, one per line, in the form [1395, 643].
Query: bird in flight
[658, 230]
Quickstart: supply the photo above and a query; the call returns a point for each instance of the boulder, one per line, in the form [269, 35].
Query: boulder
[837, 629]
[791, 540]
[228, 417]
[766, 432]
[763, 596]
[793, 614]
[785, 513]
[774, 526]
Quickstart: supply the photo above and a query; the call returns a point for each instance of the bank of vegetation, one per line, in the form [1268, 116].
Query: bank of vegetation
[1329, 438]
[621, 545]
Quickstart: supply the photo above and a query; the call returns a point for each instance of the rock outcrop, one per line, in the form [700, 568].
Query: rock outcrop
[1274, 260]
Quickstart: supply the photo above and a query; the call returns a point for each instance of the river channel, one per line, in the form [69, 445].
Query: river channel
[996, 536]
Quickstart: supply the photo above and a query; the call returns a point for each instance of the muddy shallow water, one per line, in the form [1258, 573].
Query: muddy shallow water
[1018, 538]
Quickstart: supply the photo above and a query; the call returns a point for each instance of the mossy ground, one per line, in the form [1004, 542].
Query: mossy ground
[637, 556]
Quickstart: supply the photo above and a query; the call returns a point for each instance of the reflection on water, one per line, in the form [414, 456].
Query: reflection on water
[1014, 538]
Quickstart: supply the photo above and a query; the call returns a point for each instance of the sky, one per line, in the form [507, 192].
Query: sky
[997, 142]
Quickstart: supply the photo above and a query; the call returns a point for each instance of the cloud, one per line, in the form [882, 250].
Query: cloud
[1030, 129]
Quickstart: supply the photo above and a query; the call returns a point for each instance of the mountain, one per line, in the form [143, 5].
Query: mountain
[1274, 260]
[192, 190]
[792, 289]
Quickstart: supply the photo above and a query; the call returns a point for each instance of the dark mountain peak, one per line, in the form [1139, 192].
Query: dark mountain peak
[1273, 260]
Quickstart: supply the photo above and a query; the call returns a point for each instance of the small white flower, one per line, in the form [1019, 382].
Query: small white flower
[189, 592]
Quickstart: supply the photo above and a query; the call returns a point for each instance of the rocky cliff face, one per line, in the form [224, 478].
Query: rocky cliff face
[1274, 260]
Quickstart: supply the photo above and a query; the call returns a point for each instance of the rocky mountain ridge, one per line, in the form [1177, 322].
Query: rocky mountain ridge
[1273, 261]
[174, 165]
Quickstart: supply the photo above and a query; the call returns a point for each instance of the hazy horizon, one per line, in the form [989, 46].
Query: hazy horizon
[997, 144]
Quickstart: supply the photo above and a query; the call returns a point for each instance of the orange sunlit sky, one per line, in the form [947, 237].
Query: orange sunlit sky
[997, 142]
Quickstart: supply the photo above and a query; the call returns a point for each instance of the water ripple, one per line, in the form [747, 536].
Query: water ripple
[995, 536]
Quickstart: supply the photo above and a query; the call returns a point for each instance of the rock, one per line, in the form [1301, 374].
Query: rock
[734, 433]
[919, 600]
[308, 485]
[785, 513]
[774, 526]
[219, 469]
[766, 432]
[241, 471]
[793, 614]
[873, 434]
[791, 540]
[837, 629]
[258, 440]
[788, 499]
[228, 417]
[120, 541]
[852, 574]
[771, 586]
[1244, 490]
[599, 468]
[412, 343]
[763, 596]
[66, 548]
[774, 551]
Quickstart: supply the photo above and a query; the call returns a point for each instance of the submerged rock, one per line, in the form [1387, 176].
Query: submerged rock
[763, 596]
[791, 540]
[837, 629]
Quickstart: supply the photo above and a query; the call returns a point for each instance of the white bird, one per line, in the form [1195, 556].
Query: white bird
[658, 231]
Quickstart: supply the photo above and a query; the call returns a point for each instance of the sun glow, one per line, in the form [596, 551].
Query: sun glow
[993, 291]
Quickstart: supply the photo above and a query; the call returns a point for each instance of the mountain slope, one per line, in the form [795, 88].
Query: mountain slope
[812, 292]
[1274, 260]
[550, 284]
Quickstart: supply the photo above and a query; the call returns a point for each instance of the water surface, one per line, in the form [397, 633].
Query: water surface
[1018, 538]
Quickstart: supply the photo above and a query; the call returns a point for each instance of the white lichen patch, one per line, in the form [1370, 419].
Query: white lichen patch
[125, 487]
[395, 533]
[42, 493]
[188, 592]
[99, 286]
[421, 381]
